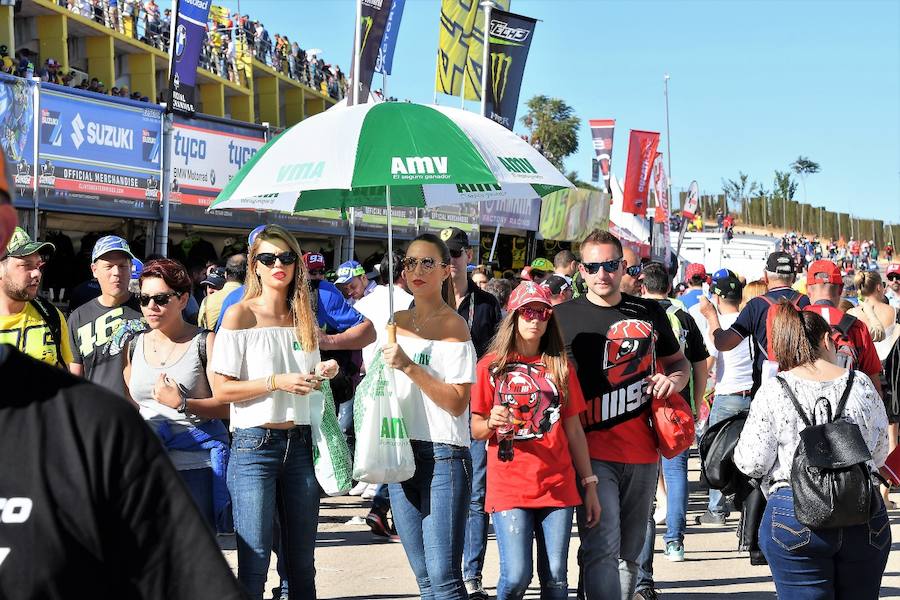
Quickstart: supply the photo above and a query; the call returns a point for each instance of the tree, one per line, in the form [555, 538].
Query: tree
[573, 177]
[784, 191]
[553, 127]
[803, 167]
[737, 191]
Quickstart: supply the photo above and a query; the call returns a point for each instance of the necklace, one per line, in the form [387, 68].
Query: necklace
[418, 327]
[163, 362]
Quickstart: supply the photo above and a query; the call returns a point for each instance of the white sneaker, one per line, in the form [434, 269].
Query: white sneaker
[359, 488]
[659, 515]
[370, 491]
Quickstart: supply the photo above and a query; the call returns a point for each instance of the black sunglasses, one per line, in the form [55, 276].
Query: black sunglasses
[160, 299]
[428, 263]
[893, 277]
[633, 270]
[268, 258]
[610, 266]
[456, 253]
[317, 272]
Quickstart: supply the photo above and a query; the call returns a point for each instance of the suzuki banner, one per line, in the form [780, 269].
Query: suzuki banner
[510, 39]
[99, 154]
[389, 39]
[371, 31]
[186, 38]
[641, 153]
[17, 134]
[602, 135]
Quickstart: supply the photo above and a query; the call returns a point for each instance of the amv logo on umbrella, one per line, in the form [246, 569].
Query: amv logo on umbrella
[419, 167]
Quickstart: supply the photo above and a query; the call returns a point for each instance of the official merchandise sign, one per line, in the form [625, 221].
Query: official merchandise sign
[463, 216]
[17, 134]
[373, 219]
[97, 154]
[187, 36]
[510, 38]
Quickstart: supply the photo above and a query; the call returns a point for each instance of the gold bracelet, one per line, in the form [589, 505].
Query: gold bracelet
[274, 385]
[269, 383]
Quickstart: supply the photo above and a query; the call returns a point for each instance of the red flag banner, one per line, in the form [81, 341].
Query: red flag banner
[693, 200]
[641, 153]
[602, 134]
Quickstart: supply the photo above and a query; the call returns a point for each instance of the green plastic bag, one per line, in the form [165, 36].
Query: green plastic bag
[331, 456]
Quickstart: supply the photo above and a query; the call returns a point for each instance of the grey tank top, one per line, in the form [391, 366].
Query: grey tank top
[191, 378]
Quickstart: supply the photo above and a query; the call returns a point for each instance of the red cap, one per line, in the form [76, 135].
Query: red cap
[314, 260]
[823, 271]
[893, 268]
[694, 269]
[526, 292]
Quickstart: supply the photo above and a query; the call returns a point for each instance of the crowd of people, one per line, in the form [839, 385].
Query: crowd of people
[526, 400]
[853, 255]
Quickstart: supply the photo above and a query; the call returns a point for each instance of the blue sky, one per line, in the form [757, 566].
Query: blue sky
[753, 84]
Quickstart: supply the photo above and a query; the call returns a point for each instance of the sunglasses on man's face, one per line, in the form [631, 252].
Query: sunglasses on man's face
[610, 266]
[317, 273]
[160, 299]
[456, 253]
[268, 258]
[410, 263]
[535, 314]
[633, 270]
[893, 277]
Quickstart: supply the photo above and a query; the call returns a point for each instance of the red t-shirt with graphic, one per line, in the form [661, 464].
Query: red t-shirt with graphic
[541, 473]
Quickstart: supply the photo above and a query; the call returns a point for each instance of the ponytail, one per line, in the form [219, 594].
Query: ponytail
[867, 282]
[800, 334]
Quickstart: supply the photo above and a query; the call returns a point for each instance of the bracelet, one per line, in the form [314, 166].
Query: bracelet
[270, 383]
[589, 479]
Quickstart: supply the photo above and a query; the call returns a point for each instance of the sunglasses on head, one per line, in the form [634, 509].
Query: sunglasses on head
[268, 258]
[634, 270]
[535, 314]
[428, 263]
[610, 266]
[160, 299]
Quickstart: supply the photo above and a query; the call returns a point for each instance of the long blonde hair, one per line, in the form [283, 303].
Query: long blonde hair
[552, 348]
[298, 292]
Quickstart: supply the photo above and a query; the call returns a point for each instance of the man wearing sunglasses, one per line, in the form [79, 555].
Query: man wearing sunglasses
[625, 354]
[893, 285]
[482, 312]
[630, 284]
[315, 265]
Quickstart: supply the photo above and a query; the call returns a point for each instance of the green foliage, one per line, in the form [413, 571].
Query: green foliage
[573, 177]
[552, 123]
[785, 187]
[803, 166]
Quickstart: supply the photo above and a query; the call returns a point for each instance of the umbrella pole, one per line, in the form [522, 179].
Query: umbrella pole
[391, 326]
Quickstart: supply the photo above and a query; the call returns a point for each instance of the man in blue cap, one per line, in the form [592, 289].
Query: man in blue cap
[353, 281]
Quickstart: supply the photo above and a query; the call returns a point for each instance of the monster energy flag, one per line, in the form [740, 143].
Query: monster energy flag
[371, 30]
[187, 36]
[510, 39]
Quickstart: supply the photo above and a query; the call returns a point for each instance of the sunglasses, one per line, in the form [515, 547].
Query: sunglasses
[893, 277]
[535, 314]
[428, 263]
[456, 253]
[634, 270]
[317, 272]
[610, 266]
[268, 258]
[160, 299]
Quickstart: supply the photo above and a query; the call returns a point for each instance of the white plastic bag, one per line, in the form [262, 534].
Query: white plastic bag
[331, 456]
[383, 453]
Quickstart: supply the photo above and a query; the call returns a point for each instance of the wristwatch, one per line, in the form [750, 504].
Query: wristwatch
[589, 479]
[183, 408]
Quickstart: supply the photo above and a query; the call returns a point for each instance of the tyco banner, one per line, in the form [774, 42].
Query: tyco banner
[510, 39]
[98, 150]
[187, 36]
[602, 134]
[389, 39]
[641, 153]
[371, 30]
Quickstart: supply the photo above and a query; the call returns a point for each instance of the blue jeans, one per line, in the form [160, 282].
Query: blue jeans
[724, 406]
[199, 484]
[269, 470]
[675, 474]
[477, 522]
[820, 564]
[430, 515]
[382, 499]
[610, 549]
[515, 529]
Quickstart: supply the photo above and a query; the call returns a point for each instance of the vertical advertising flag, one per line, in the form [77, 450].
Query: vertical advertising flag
[371, 30]
[454, 38]
[475, 54]
[661, 189]
[508, 42]
[693, 200]
[602, 134]
[389, 40]
[641, 152]
[187, 36]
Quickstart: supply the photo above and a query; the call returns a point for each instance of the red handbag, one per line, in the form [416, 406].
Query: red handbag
[674, 424]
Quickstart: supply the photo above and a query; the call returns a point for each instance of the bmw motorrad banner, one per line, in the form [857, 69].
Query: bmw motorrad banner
[187, 37]
[98, 154]
[389, 39]
[602, 136]
[510, 39]
[374, 18]
[17, 134]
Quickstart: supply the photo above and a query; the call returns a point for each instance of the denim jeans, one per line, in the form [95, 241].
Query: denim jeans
[724, 406]
[199, 484]
[515, 529]
[675, 474]
[477, 522]
[818, 564]
[430, 514]
[272, 470]
[610, 549]
[382, 499]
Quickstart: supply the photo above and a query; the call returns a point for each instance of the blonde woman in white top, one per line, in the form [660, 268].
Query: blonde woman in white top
[267, 367]
[435, 362]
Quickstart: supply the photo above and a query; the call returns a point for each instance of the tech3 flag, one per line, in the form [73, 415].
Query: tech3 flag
[641, 153]
[374, 18]
[389, 39]
[602, 134]
[509, 40]
[187, 36]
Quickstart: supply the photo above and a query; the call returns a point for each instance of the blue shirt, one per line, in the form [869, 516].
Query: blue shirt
[332, 309]
[691, 297]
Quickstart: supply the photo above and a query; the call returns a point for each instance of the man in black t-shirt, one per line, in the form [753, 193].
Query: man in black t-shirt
[101, 329]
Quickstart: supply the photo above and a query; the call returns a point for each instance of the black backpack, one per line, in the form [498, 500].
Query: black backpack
[829, 476]
[50, 316]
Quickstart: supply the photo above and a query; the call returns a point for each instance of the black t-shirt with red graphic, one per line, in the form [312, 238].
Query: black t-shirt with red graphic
[613, 352]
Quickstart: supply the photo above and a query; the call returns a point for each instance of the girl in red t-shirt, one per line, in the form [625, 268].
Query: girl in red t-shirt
[526, 402]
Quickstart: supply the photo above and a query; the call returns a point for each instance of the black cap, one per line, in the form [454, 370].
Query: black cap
[781, 263]
[455, 238]
[557, 284]
[728, 287]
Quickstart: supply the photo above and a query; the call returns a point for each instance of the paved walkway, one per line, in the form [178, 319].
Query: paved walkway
[352, 563]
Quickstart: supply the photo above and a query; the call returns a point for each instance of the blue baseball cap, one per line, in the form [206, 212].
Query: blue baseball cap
[137, 267]
[110, 243]
[348, 271]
